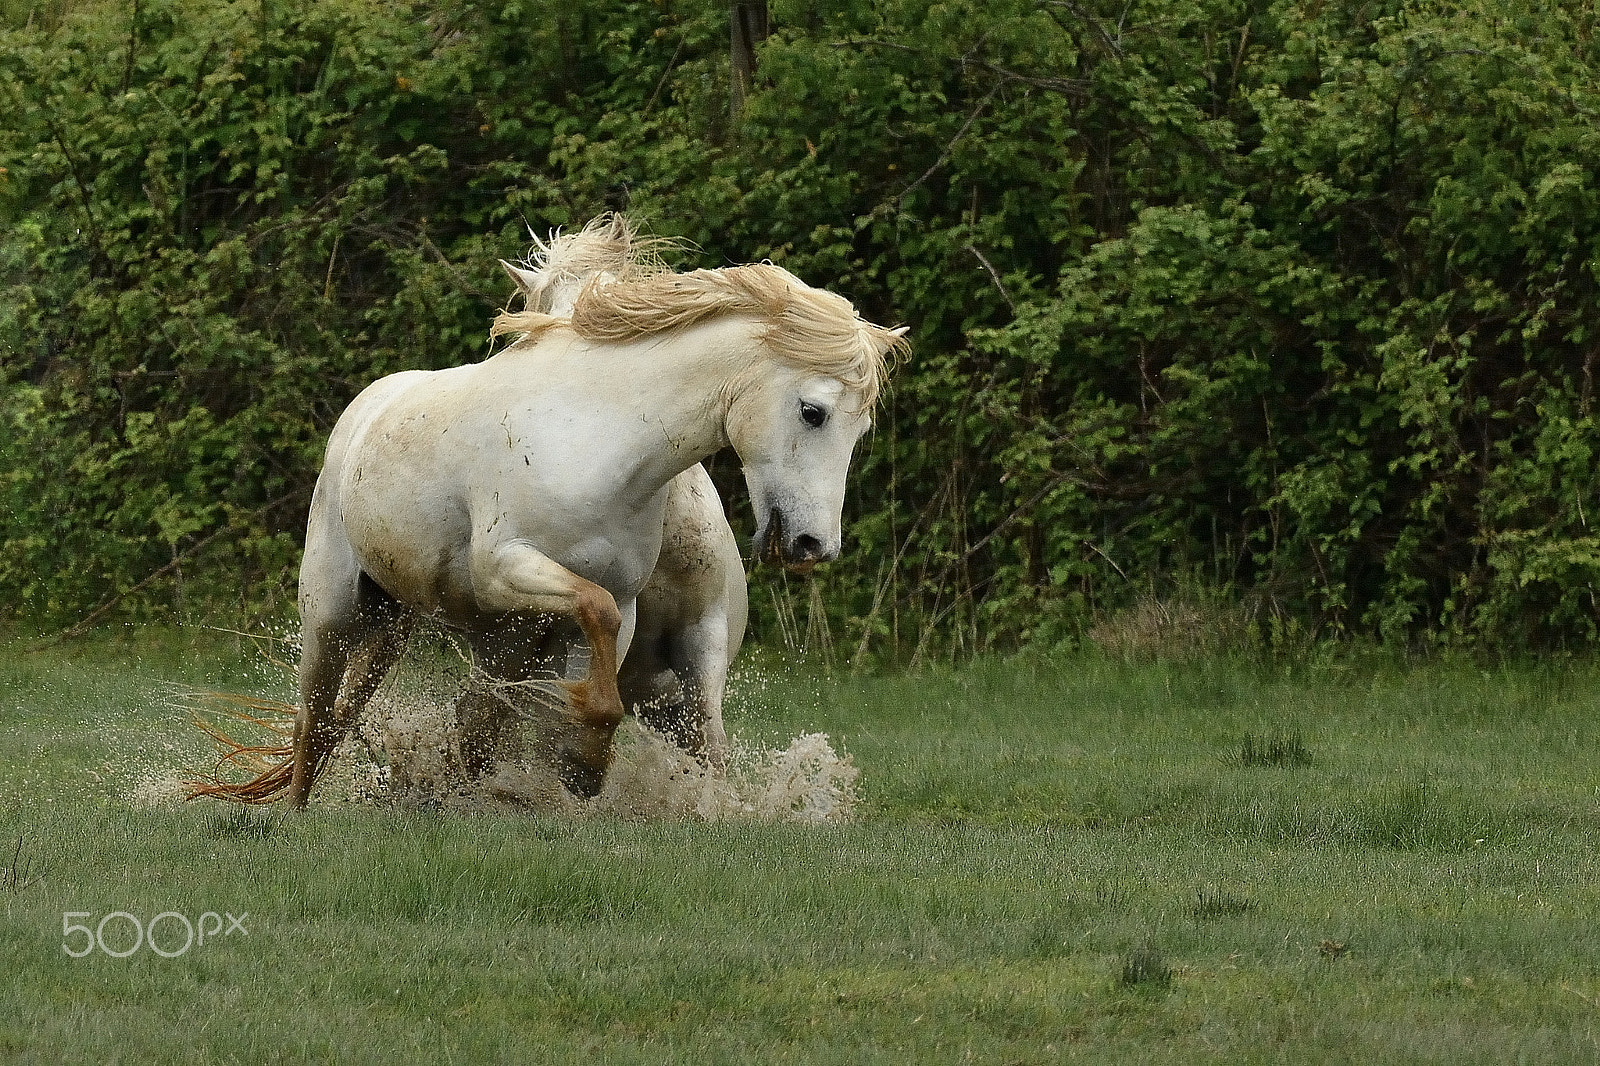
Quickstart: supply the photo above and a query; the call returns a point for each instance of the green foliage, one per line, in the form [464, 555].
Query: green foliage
[1288, 300]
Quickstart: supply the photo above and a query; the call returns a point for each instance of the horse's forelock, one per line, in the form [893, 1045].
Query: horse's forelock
[820, 330]
[605, 245]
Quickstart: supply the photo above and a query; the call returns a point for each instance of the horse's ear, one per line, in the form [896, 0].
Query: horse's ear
[892, 344]
[528, 281]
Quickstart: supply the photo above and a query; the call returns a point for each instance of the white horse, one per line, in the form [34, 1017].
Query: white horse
[691, 615]
[531, 489]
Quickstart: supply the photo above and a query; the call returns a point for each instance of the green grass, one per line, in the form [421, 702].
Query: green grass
[1050, 862]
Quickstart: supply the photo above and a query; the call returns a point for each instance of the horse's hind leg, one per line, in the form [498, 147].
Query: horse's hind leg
[341, 667]
[691, 619]
[486, 715]
[487, 707]
[699, 656]
[374, 656]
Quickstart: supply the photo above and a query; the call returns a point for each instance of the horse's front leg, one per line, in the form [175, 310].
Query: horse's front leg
[700, 657]
[517, 577]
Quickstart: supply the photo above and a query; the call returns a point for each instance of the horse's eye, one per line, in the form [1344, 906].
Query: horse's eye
[812, 415]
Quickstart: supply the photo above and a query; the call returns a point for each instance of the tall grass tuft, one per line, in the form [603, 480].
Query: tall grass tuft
[1189, 624]
[1417, 816]
[243, 823]
[1110, 897]
[1213, 901]
[1145, 968]
[1275, 750]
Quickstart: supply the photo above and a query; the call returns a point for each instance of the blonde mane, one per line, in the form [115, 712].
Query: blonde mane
[631, 294]
[608, 249]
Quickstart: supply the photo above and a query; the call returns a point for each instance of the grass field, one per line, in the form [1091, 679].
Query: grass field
[1083, 860]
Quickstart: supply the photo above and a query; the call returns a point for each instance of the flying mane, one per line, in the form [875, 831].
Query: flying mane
[633, 295]
[608, 249]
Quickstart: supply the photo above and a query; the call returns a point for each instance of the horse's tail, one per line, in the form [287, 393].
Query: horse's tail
[273, 763]
[263, 788]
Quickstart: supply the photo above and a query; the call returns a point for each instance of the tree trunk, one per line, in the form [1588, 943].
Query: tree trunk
[748, 26]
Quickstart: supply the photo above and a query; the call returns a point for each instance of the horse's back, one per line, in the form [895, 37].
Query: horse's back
[367, 405]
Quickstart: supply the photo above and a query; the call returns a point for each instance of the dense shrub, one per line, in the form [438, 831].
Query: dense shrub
[1288, 301]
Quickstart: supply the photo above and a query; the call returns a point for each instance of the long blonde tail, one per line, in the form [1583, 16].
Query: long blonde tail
[273, 763]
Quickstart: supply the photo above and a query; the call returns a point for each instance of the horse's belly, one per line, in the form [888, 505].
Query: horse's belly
[432, 576]
[419, 547]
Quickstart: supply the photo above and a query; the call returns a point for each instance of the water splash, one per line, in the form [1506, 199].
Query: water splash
[405, 752]
[415, 762]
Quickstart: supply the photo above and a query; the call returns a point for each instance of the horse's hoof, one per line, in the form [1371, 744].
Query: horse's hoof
[582, 780]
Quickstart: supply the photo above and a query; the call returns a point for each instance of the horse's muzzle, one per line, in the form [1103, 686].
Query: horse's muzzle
[804, 553]
[798, 555]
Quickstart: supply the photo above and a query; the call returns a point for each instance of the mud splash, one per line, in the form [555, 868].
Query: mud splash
[806, 782]
[405, 753]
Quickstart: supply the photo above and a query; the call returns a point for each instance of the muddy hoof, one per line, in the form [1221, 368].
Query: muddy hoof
[581, 780]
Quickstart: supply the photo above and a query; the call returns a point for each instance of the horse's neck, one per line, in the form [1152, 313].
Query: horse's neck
[671, 393]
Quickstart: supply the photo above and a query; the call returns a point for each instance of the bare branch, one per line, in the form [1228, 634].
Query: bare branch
[1112, 44]
[995, 275]
[944, 156]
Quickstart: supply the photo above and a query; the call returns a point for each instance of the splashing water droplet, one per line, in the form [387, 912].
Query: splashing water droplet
[405, 751]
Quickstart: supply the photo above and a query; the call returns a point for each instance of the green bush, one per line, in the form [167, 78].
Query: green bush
[1285, 300]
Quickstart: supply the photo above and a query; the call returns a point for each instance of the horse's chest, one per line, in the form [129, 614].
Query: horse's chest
[621, 566]
[616, 547]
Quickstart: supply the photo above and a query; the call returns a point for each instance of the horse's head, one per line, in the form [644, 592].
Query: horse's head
[796, 426]
[795, 432]
[551, 292]
[793, 412]
[607, 250]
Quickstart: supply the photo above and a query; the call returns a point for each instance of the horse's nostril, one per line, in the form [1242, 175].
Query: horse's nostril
[806, 547]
